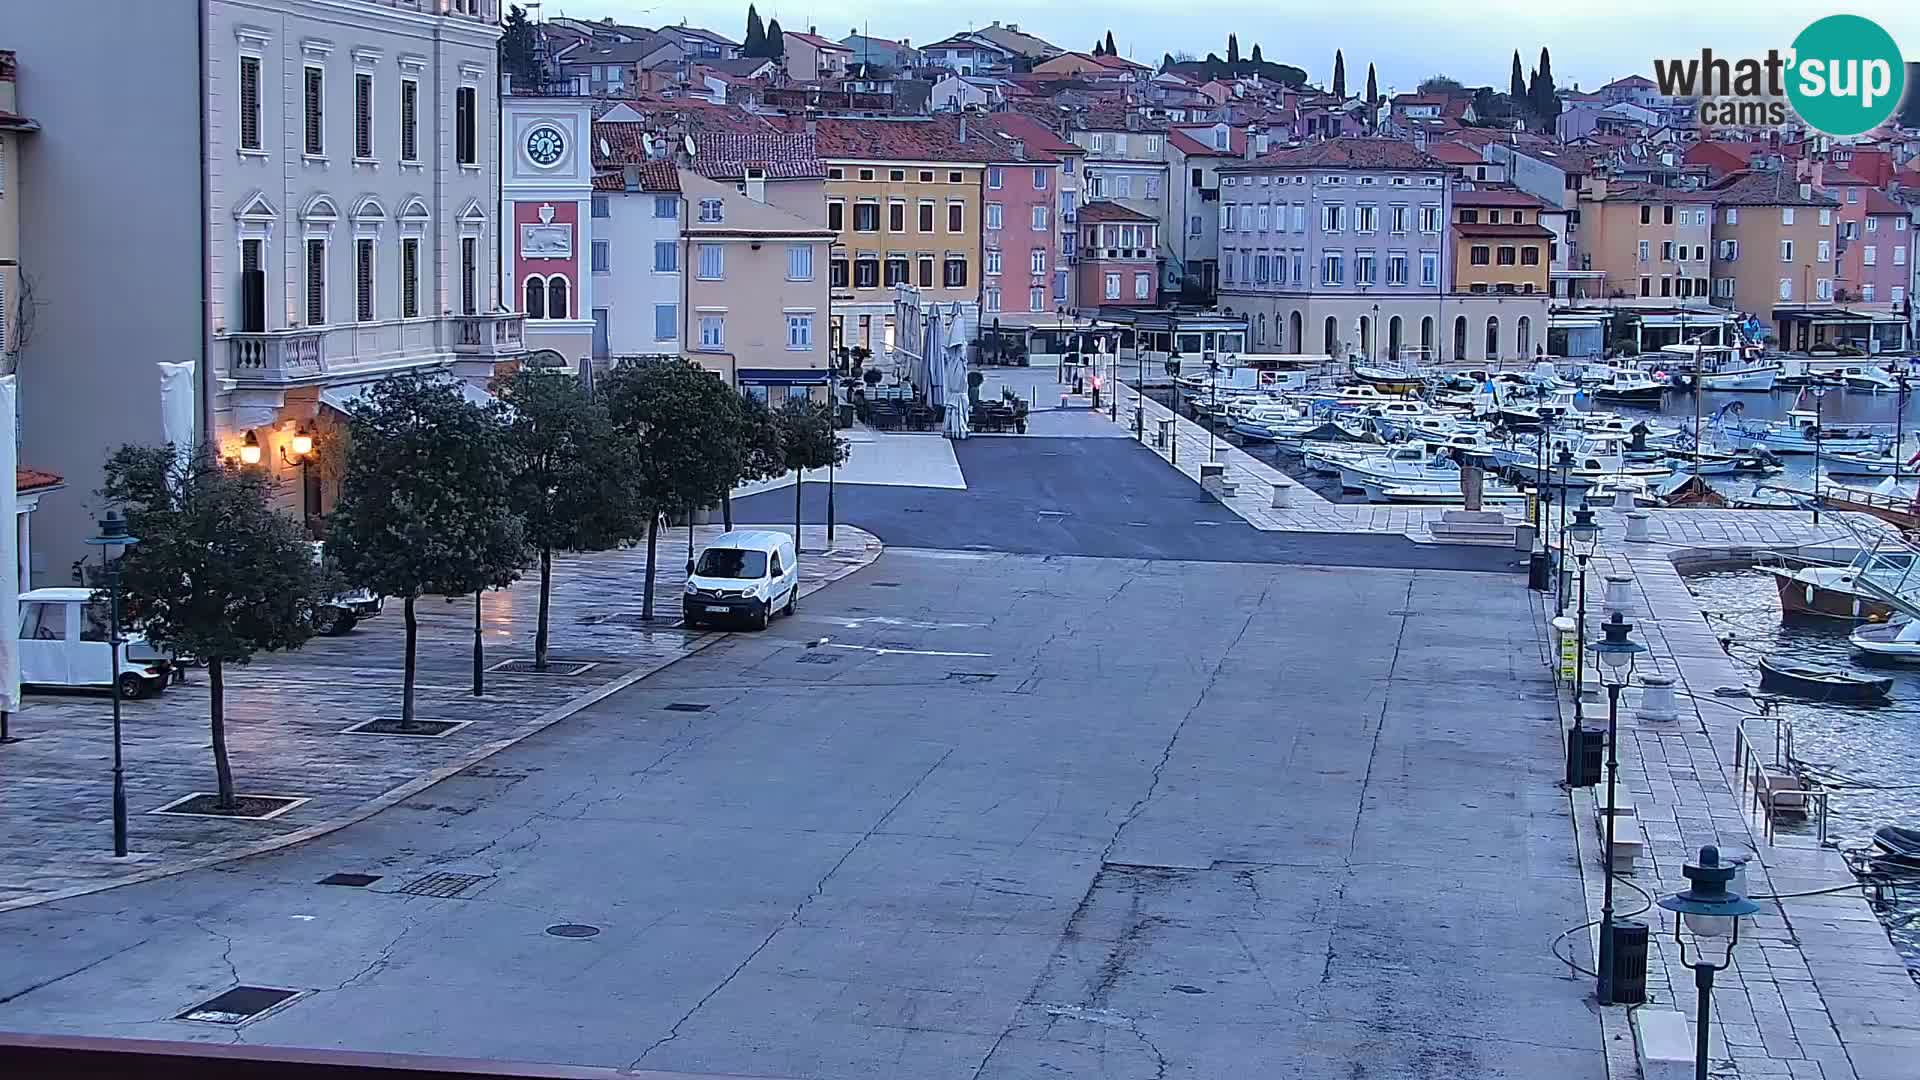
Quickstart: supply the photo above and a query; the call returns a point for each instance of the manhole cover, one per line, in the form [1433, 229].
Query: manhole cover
[555, 668]
[238, 1005]
[351, 881]
[687, 706]
[1183, 988]
[969, 676]
[1403, 611]
[442, 884]
[573, 930]
[819, 658]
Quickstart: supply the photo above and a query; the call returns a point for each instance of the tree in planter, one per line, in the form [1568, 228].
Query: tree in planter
[571, 479]
[808, 440]
[218, 574]
[765, 458]
[689, 432]
[425, 506]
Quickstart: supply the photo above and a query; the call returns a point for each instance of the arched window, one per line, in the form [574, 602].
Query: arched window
[1294, 333]
[1526, 338]
[1393, 337]
[557, 297]
[1459, 338]
[1426, 338]
[1333, 338]
[1493, 337]
[1260, 331]
[536, 298]
[1366, 337]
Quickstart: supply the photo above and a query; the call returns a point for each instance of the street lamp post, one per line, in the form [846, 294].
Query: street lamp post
[1565, 462]
[1113, 380]
[1213, 400]
[1616, 655]
[830, 516]
[479, 650]
[1710, 909]
[300, 452]
[1139, 390]
[1819, 438]
[1899, 418]
[113, 536]
[1584, 535]
[1173, 373]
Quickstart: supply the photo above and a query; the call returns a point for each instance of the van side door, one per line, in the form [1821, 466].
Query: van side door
[43, 643]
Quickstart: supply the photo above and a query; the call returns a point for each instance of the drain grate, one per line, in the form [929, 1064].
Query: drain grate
[573, 930]
[238, 1005]
[970, 676]
[818, 658]
[688, 706]
[442, 884]
[351, 881]
[634, 620]
[884, 584]
[555, 668]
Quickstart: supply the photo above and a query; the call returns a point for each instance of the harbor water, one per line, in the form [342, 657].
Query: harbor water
[1866, 757]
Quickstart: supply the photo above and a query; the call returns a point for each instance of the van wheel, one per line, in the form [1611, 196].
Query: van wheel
[765, 616]
[132, 687]
[793, 599]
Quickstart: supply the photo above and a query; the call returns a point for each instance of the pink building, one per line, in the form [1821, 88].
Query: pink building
[1873, 242]
[1118, 266]
[1021, 280]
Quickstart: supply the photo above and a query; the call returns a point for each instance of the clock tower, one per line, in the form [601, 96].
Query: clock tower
[546, 181]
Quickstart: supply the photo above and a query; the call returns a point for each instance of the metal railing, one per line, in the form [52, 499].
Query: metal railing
[1773, 786]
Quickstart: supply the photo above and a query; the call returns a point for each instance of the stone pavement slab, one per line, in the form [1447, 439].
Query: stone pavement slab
[286, 714]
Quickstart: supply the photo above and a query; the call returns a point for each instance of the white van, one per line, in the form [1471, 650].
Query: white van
[64, 642]
[746, 574]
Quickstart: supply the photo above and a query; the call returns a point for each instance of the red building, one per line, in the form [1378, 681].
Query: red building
[1117, 266]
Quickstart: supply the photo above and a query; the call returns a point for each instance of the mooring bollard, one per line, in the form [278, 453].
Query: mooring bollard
[1618, 597]
[1164, 435]
[1656, 698]
[1637, 527]
[1282, 493]
[1623, 500]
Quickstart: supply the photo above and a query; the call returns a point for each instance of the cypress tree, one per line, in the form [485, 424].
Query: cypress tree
[1256, 53]
[1373, 88]
[1233, 48]
[1111, 51]
[756, 42]
[1517, 85]
[776, 41]
[1546, 101]
[1339, 74]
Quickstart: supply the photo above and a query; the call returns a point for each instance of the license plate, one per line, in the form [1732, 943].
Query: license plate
[718, 608]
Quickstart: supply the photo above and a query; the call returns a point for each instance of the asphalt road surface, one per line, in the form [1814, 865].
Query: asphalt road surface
[1109, 498]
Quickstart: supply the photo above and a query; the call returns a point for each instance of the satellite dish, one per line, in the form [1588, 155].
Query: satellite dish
[605, 150]
[646, 144]
[689, 143]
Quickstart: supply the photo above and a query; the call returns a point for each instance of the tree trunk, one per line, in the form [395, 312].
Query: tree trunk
[653, 543]
[799, 482]
[540, 630]
[726, 511]
[406, 692]
[222, 769]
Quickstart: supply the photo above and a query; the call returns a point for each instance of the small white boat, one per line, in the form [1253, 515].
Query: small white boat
[1897, 641]
[1440, 494]
[1718, 367]
[1607, 492]
[1870, 379]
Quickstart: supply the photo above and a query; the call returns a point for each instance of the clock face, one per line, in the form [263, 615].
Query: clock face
[545, 145]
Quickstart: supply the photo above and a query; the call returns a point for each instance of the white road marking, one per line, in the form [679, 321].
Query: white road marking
[904, 652]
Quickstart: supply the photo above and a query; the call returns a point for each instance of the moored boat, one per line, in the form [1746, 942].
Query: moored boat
[1818, 682]
[1895, 642]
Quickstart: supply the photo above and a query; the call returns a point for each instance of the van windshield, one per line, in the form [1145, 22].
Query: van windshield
[731, 563]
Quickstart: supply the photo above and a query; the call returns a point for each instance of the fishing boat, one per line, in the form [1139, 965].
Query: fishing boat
[1265, 420]
[1818, 682]
[1835, 592]
[1630, 388]
[1801, 433]
[1719, 367]
[1872, 464]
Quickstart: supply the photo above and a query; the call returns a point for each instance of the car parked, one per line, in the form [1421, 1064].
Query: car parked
[743, 576]
[342, 611]
[63, 642]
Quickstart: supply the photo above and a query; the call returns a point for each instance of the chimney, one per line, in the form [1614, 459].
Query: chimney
[1014, 26]
[756, 183]
[1263, 140]
[814, 30]
[1019, 149]
[963, 119]
[1254, 137]
[630, 177]
[813, 122]
[1806, 192]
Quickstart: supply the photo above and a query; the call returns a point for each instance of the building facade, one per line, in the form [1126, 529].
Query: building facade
[546, 203]
[635, 255]
[1026, 136]
[1020, 249]
[1117, 264]
[1499, 243]
[1194, 156]
[1650, 242]
[1773, 239]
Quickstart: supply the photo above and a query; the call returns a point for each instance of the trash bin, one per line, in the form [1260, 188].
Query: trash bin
[1629, 981]
[1540, 571]
[1164, 435]
[1585, 749]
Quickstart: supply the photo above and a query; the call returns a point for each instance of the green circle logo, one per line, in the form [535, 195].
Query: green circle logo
[1847, 75]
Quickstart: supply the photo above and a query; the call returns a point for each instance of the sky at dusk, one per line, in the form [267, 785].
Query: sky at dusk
[1591, 43]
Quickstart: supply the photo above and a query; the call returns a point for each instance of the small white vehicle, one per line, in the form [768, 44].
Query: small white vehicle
[342, 612]
[743, 575]
[63, 642]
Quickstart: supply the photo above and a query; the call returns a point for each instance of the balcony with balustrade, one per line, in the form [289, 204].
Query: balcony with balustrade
[500, 335]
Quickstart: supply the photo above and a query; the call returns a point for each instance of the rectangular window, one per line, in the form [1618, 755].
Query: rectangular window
[713, 262]
[1363, 268]
[1869, 255]
[993, 217]
[1786, 215]
[363, 116]
[249, 103]
[711, 212]
[1330, 218]
[666, 206]
[1899, 256]
[866, 217]
[601, 256]
[991, 265]
[1369, 218]
[926, 217]
[1260, 217]
[1333, 269]
[1786, 288]
[1866, 292]
[1396, 268]
[1113, 287]
[466, 125]
[1506, 256]
[897, 216]
[1039, 184]
[800, 262]
[666, 322]
[838, 273]
[1786, 251]
[1226, 217]
[1733, 215]
[363, 280]
[1037, 261]
[1480, 255]
[1646, 214]
[1873, 224]
[1646, 250]
[1039, 219]
[316, 99]
[1194, 224]
[713, 331]
[410, 278]
[597, 206]
[1430, 219]
[1646, 286]
[1142, 286]
[1897, 294]
[1397, 219]
[1529, 256]
[666, 256]
[956, 272]
[836, 215]
[926, 271]
[956, 217]
[1037, 296]
[866, 273]
[991, 297]
[1429, 268]
[896, 272]
[469, 274]
[995, 177]
[799, 333]
[1666, 214]
[409, 120]
[1666, 251]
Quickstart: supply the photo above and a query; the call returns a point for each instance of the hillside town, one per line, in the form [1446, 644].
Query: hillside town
[551, 546]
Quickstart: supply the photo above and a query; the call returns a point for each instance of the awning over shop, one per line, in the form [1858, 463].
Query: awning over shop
[1691, 318]
[784, 376]
[1828, 315]
[343, 396]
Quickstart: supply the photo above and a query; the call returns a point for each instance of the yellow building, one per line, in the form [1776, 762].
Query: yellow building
[1773, 250]
[904, 201]
[1650, 241]
[1499, 245]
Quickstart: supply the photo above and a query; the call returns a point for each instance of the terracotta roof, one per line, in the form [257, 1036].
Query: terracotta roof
[1511, 232]
[1750, 188]
[740, 67]
[1620, 191]
[1104, 210]
[625, 52]
[1842, 178]
[727, 155]
[1198, 142]
[1496, 197]
[931, 138]
[1630, 80]
[816, 41]
[1879, 202]
[1346, 153]
[655, 176]
[1455, 153]
[25, 479]
[1038, 136]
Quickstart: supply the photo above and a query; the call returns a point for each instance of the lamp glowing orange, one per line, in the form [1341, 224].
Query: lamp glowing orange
[250, 450]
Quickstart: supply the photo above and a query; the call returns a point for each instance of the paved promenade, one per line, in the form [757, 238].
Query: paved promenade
[286, 714]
